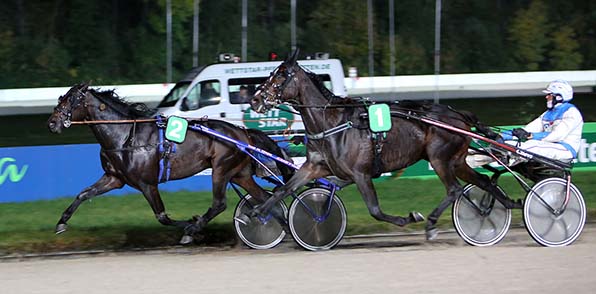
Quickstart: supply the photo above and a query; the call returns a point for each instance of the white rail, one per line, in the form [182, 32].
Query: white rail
[41, 100]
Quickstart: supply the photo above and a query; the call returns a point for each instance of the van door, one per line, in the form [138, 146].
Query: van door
[206, 98]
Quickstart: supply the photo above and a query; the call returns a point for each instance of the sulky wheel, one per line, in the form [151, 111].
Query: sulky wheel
[551, 218]
[261, 232]
[479, 218]
[315, 223]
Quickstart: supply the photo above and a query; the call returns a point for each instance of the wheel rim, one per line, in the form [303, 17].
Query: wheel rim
[317, 234]
[260, 233]
[474, 227]
[554, 229]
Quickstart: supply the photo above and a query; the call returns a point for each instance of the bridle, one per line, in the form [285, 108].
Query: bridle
[74, 102]
[270, 99]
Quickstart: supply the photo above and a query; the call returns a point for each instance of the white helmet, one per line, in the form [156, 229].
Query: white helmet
[561, 89]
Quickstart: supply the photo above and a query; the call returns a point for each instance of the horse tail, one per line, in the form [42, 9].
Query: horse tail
[473, 120]
[261, 140]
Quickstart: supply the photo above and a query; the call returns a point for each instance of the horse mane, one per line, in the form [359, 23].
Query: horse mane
[424, 106]
[136, 110]
[320, 85]
[338, 100]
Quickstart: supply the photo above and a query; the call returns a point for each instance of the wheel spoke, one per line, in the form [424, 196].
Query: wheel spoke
[547, 227]
[478, 218]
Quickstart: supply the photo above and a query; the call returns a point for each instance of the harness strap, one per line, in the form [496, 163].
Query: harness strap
[165, 149]
[378, 165]
[332, 131]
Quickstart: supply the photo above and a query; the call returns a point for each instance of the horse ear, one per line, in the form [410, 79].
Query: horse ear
[292, 59]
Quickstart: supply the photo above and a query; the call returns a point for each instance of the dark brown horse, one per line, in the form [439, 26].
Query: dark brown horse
[130, 154]
[340, 142]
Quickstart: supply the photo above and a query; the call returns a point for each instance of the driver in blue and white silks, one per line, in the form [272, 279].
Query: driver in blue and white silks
[557, 132]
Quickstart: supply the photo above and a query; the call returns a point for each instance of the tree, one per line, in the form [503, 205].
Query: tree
[60, 42]
[565, 54]
[528, 35]
[340, 27]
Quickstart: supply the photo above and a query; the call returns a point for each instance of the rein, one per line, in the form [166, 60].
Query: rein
[121, 121]
[355, 105]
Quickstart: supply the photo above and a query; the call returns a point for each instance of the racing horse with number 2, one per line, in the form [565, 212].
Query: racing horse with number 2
[340, 142]
[130, 154]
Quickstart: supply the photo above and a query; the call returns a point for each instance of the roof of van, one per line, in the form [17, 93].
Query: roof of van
[192, 73]
[253, 69]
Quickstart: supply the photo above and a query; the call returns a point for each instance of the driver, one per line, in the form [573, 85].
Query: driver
[557, 132]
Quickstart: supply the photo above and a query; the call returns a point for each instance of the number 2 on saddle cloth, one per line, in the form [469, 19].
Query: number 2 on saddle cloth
[174, 132]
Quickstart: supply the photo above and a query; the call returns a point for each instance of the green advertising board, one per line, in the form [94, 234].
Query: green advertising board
[586, 157]
[276, 119]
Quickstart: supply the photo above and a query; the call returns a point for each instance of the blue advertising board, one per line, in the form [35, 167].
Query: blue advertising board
[46, 172]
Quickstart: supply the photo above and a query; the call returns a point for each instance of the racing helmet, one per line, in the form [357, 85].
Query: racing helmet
[561, 89]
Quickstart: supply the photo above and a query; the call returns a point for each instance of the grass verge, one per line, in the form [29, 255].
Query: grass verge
[123, 222]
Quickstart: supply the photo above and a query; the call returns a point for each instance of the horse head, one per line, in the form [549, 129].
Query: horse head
[71, 106]
[280, 87]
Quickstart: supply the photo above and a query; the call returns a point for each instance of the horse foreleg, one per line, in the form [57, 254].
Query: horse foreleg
[260, 196]
[305, 174]
[104, 184]
[369, 195]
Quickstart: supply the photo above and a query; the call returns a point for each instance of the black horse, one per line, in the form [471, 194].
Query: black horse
[340, 142]
[130, 154]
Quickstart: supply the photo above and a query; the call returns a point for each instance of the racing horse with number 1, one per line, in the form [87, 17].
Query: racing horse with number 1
[340, 142]
[130, 154]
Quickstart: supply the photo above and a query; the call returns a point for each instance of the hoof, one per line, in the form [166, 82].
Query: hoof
[60, 228]
[243, 219]
[186, 239]
[515, 204]
[416, 216]
[432, 234]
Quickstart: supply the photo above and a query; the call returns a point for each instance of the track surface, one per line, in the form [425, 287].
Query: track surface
[403, 264]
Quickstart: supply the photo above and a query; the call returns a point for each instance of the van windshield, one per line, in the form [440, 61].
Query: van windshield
[174, 95]
[242, 90]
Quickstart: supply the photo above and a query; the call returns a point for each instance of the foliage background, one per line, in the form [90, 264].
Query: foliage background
[62, 42]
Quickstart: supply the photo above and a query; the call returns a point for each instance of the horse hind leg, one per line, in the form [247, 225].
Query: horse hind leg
[220, 177]
[218, 204]
[445, 171]
[369, 195]
[151, 194]
[104, 184]
[468, 175]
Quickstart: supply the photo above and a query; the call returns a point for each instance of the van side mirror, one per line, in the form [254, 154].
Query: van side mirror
[189, 104]
[184, 104]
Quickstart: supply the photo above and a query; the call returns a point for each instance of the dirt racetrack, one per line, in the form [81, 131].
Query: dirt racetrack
[402, 264]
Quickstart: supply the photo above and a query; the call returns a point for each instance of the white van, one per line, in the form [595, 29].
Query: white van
[214, 91]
